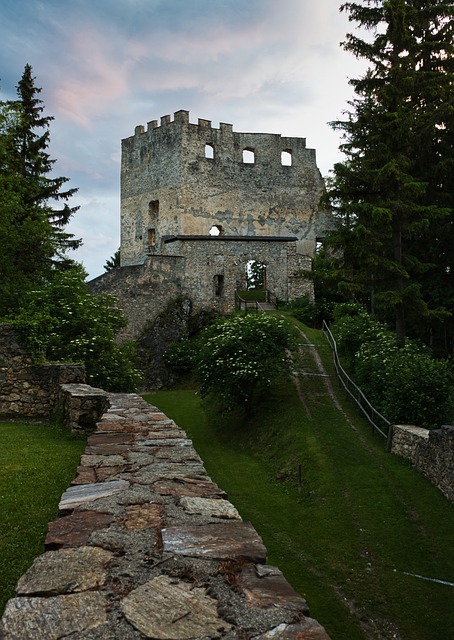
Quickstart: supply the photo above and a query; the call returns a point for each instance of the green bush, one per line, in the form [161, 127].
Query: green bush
[182, 355]
[309, 312]
[64, 322]
[407, 385]
[304, 310]
[353, 327]
[240, 355]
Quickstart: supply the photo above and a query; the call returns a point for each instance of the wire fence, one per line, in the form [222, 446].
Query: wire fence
[380, 424]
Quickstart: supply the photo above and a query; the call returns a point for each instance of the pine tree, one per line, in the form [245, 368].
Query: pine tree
[388, 193]
[35, 165]
[32, 235]
[113, 261]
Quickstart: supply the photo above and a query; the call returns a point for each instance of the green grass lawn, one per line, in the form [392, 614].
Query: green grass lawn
[363, 522]
[37, 463]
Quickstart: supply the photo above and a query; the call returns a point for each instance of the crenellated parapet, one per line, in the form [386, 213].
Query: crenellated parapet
[267, 147]
[180, 178]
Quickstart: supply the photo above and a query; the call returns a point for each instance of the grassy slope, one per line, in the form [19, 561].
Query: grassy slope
[364, 517]
[37, 463]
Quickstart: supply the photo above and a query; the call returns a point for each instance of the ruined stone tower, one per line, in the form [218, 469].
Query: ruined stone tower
[198, 203]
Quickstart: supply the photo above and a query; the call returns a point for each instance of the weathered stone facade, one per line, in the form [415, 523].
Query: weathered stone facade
[194, 213]
[430, 451]
[170, 187]
[29, 391]
[80, 406]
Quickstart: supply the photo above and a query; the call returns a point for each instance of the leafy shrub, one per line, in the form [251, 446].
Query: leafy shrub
[182, 355]
[303, 309]
[240, 355]
[353, 327]
[64, 322]
[421, 392]
[407, 385]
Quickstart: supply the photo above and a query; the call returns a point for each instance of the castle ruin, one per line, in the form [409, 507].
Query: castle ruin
[199, 203]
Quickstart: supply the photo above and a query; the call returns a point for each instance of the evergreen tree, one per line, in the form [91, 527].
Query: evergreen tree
[32, 234]
[113, 261]
[391, 192]
[34, 163]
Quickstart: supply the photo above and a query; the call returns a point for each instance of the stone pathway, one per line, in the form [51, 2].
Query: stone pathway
[147, 546]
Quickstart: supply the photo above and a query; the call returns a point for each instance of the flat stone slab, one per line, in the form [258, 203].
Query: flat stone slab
[107, 450]
[143, 516]
[167, 470]
[307, 630]
[65, 571]
[110, 438]
[170, 609]
[85, 475]
[102, 460]
[52, 618]
[210, 507]
[74, 530]
[230, 540]
[184, 486]
[79, 494]
[265, 586]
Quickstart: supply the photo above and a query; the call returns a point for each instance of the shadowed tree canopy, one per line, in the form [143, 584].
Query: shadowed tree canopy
[393, 193]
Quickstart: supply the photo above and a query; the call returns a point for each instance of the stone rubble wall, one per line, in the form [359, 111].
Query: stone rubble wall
[430, 451]
[170, 186]
[81, 406]
[29, 391]
[144, 291]
[148, 546]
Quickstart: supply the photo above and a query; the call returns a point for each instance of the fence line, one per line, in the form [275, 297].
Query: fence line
[373, 416]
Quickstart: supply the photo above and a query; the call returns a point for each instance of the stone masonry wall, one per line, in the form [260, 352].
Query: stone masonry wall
[170, 187]
[192, 268]
[147, 546]
[179, 183]
[430, 451]
[27, 390]
[142, 291]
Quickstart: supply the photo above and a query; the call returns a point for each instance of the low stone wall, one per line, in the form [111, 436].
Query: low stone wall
[29, 391]
[430, 451]
[81, 406]
[147, 546]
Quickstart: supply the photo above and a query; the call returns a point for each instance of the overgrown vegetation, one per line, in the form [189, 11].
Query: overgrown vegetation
[37, 463]
[366, 525]
[235, 358]
[42, 291]
[407, 385]
[393, 195]
[63, 322]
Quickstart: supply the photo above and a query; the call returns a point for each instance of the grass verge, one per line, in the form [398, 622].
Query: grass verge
[37, 463]
[365, 524]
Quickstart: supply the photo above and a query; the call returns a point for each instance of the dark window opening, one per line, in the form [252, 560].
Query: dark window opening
[151, 237]
[249, 155]
[209, 151]
[153, 207]
[218, 286]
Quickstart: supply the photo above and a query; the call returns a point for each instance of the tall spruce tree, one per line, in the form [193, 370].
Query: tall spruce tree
[36, 166]
[32, 234]
[391, 194]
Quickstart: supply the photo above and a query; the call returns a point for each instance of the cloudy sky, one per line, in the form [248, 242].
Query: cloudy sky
[105, 66]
